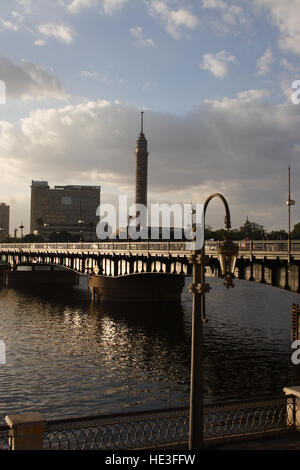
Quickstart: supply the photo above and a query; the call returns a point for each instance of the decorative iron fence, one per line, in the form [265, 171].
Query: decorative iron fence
[4, 438]
[152, 429]
[168, 427]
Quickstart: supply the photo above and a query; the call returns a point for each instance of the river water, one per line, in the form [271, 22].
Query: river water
[68, 357]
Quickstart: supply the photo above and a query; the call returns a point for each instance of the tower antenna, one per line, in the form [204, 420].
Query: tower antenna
[142, 122]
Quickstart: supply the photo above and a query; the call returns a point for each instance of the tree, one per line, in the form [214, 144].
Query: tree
[31, 238]
[252, 230]
[61, 237]
[277, 235]
[295, 235]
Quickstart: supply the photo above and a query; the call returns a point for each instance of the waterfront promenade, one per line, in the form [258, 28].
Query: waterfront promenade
[261, 423]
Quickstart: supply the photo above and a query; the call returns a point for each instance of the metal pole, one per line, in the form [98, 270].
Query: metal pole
[290, 202]
[196, 390]
[289, 211]
[198, 288]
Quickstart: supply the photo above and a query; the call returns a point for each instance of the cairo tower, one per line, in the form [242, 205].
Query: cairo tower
[141, 153]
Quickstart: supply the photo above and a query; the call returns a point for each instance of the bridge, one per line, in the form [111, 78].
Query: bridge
[276, 263]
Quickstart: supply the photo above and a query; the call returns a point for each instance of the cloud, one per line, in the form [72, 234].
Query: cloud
[175, 21]
[39, 42]
[217, 64]
[241, 150]
[110, 6]
[286, 17]
[61, 32]
[246, 96]
[8, 25]
[140, 39]
[76, 6]
[251, 95]
[214, 4]
[29, 81]
[26, 4]
[86, 74]
[265, 61]
[225, 16]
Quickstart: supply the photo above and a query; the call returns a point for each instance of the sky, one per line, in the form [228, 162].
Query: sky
[214, 78]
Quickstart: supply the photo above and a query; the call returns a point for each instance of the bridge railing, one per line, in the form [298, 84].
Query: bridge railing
[163, 246]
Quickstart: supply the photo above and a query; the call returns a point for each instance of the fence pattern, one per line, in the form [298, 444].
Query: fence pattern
[154, 429]
[168, 427]
[4, 438]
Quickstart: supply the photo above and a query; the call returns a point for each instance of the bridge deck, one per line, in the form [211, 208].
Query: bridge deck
[258, 249]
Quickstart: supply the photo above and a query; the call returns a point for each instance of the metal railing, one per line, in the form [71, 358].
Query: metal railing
[4, 438]
[153, 429]
[166, 246]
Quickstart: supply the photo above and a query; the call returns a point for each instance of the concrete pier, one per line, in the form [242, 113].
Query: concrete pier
[147, 287]
[38, 274]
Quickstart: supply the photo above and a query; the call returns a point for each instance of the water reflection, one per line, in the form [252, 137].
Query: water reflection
[68, 356]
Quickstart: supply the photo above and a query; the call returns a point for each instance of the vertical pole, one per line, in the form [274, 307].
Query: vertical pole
[289, 217]
[196, 391]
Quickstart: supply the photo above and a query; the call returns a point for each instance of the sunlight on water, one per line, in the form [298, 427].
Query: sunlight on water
[65, 356]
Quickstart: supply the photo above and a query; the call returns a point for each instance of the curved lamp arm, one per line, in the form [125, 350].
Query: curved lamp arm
[227, 216]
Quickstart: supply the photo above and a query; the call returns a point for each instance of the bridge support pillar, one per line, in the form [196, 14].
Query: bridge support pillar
[273, 276]
[287, 275]
[262, 279]
[241, 271]
[251, 273]
[168, 266]
[83, 261]
[147, 287]
[116, 266]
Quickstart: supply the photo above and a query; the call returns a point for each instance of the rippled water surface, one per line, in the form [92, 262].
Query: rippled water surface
[66, 356]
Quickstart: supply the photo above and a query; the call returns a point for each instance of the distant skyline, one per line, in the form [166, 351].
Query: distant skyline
[213, 76]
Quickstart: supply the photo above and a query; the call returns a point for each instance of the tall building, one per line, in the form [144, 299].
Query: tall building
[64, 208]
[141, 178]
[4, 221]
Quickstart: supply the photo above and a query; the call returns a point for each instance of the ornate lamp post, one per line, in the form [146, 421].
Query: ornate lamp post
[227, 252]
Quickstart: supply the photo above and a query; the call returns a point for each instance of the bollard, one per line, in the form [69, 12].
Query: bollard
[293, 406]
[26, 431]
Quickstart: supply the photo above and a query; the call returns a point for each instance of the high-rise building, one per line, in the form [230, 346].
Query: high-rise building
[4, 221]
[69, 209]
[141, 178]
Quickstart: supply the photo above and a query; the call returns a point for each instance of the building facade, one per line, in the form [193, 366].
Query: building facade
[69, 209]
[4, 221]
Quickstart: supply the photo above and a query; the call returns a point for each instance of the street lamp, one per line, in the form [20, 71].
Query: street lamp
[227, 252]
[81, 222]
[22, 228]
[46, 226]
[290, 202]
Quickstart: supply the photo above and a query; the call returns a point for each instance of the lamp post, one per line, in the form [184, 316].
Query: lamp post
[46, 226]
[290, 202]
[227, 252]
[81, 222]
[21, 228]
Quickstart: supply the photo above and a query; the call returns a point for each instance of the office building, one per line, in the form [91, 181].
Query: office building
[69, 209]
[4, 221]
